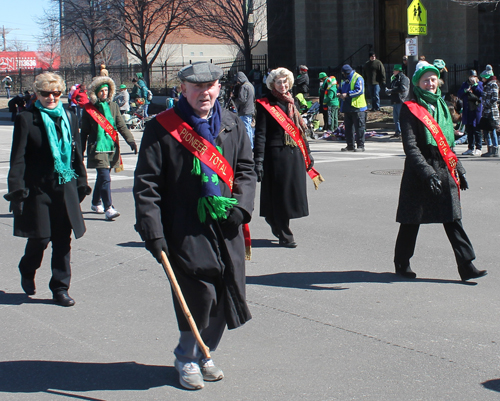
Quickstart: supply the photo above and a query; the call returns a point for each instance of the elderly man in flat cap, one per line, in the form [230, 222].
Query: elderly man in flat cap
[194, 188]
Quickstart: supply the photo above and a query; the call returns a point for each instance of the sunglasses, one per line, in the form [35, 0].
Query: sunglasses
[47, 94]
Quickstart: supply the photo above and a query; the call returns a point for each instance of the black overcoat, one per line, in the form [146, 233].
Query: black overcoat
[32, 173]
[417, 204]
[166, 197]
[283, 191]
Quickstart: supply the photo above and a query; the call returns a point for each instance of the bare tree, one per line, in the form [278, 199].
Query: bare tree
[146, 25]
[240, 22]
[49, 41]
[74, 54]
[90, 21]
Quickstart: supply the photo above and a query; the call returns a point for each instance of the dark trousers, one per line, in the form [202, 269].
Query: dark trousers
[280, 228]
[474, 137]
[407, 238]
[102, 188]
[61, 247]
[354, 122]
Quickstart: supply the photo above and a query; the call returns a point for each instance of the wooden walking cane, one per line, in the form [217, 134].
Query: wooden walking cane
[182, 302]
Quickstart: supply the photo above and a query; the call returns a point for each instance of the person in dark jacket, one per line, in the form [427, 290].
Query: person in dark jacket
[244, 99]
[255, 78]
[102, 151]
[206, 248]
[470, 93]
[47, 182]
[398, 90]
[374, 76]
[302, 81]
[279, 163]
[429, 193]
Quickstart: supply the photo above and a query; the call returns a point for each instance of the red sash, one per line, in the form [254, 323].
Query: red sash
[205, 152]
[292, 130]
[106, 126]
[449, 157]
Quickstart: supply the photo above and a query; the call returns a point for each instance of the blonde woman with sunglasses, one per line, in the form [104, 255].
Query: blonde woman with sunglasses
[47, 181]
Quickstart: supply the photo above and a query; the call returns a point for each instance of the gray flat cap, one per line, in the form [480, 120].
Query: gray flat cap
[200, 72]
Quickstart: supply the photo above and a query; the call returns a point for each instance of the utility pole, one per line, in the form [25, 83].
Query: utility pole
[4, 33]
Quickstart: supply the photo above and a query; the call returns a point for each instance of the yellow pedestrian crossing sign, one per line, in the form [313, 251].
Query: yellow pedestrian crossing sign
[417, 18]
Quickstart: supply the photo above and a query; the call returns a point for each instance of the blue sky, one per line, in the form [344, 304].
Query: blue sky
[19, 16]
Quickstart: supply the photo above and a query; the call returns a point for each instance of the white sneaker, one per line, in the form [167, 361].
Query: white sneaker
[210, 372]
[189, 375]
[111, 213]
[98, 209]
[477, 152]
[468, 152]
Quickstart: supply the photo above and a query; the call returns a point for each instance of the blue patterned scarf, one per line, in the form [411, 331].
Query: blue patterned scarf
[211, 201]
[61, 148]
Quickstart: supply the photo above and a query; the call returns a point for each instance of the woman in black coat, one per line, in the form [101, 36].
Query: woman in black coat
[279, 163]
[429, 193]
[47, 181]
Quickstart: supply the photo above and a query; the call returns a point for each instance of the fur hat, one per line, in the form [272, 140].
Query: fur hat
[97, 83]
[421, 68]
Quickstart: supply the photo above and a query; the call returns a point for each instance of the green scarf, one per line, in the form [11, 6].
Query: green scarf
[439, 112]
[61, 148]
[104, 143]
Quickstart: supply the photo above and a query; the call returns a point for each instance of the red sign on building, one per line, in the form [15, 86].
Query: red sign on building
[13, 61]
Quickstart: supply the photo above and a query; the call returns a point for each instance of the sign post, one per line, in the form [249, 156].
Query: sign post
[417, 26]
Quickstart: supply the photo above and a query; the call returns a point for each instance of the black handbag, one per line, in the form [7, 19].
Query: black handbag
[485, 124]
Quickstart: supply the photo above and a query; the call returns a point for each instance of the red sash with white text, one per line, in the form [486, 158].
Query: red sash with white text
[292, 130]
[205, 152]
[449, 157]
[106, 126]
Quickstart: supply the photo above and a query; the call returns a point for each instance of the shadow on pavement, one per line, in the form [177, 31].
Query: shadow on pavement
[7, 215]
[493, 384]
[132, 244]
[45, 376]
[264, 243]
[315, 280]
[19, 299]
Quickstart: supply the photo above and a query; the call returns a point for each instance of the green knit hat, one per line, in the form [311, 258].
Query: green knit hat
[98, 89]
[487, 73]
[421, 68]
[397, 67]
[322, 75]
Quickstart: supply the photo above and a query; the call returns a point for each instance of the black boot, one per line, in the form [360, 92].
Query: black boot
[489, 153]
[469, 271]
[492, 151]
[405, 270]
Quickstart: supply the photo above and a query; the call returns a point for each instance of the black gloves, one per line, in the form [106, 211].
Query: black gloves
[16, 207]
[463, 183]
[83, 191]
[259, 169]
[312, 162]
[234, 218]
[435, 184]
[133, 147]
[155, 246]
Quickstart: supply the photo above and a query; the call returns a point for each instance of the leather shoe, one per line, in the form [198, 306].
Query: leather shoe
[63, 299]
[405, 271]
[348, 149]
[469, 271]
[28, 285]
[287, 244]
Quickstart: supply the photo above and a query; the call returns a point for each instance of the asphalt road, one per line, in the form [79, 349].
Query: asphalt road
[330, 319]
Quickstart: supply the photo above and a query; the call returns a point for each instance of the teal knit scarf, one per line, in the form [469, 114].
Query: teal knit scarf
[439, 112]
[104, 142]
[60, 148]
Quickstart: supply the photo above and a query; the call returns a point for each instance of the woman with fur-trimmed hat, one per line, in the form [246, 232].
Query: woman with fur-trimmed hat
[102, 142]
[433, 176]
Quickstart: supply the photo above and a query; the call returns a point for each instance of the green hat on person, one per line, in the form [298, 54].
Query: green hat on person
[123, 86]
[421, 68]
[322, 75]
[439, 64]
[397, 67]
[488, 72]
[138, 75]
[98, 89]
